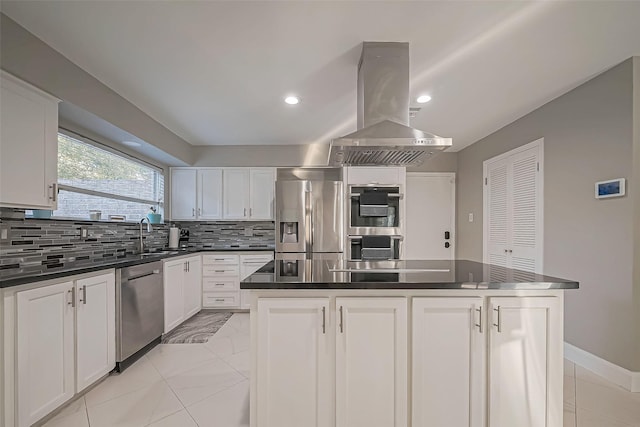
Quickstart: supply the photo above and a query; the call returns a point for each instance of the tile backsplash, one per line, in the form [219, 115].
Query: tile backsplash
[54, 242]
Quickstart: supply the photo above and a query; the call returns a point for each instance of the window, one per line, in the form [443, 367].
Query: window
[92, 178]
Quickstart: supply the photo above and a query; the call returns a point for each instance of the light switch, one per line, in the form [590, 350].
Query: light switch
[84, 232]
[4, 234]
[470, 216]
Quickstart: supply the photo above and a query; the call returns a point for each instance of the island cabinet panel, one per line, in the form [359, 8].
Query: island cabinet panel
[448, 348]
[371, 362]
[44, 350]
[96, 332]
[294, 380]
[525, 362]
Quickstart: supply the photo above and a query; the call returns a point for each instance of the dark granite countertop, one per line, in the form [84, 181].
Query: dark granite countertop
[340, 274]
[15, 277]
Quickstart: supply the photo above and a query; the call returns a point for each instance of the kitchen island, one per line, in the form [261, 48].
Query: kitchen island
[405, 343]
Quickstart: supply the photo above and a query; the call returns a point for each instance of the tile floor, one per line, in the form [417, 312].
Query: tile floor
[206, 385]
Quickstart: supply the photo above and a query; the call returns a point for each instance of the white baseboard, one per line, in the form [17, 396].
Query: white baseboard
[625, 378]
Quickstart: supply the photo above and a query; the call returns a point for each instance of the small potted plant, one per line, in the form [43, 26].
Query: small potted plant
[153, 217]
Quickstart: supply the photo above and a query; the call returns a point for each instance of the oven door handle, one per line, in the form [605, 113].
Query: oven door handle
[392, 237]
[391, 195]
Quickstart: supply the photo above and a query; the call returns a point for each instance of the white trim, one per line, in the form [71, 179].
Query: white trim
[629, 380]
[451, 175]
[539, 143]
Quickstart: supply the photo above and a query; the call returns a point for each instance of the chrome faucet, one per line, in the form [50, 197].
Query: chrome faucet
[149, 230]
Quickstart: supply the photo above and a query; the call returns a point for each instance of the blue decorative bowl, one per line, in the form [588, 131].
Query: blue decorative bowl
[154, 218]
[41, 213]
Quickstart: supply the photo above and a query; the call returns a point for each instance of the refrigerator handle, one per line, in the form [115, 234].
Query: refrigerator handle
[308, 221]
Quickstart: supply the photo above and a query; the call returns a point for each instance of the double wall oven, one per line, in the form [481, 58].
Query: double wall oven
[375, 229]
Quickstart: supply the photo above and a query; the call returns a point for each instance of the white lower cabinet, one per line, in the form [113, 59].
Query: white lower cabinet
[95, 331]
[45, 350]
[294, 363]
[371, 362]
[525, 362]
[182, 290]
[476, 361]
[65, 342]
[297, 344]
[448, 362]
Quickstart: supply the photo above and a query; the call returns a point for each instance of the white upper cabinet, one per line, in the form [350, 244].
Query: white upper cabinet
[222, 193]
[28, 146]
[209, 194]
[183, 193]
[196, 193]
[236, 193]
[262, 189]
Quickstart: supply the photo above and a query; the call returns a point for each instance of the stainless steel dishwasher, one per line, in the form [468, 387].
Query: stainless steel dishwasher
[139, 311]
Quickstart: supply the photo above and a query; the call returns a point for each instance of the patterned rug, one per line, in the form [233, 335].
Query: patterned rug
[198, 329]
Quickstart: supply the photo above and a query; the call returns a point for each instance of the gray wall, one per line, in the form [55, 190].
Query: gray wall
[588, 137]
[29, 58]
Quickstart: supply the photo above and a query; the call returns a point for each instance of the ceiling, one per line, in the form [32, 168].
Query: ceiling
[216, 73]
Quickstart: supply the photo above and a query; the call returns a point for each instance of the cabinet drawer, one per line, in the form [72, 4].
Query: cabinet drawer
[220, 270]
[220, 259]
[220, 299]
[214, 284]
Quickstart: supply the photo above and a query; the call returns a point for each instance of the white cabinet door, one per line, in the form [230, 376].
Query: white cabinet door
[173, 293]
[183, 193]
[294, 359]
[45, 350]
[371, 362]
[375, 175]
[192, 287]
[262, 185]
[28, 145]
[236, 193]
[448, 362]
[525, 362]
[95, 331]
[209, 194]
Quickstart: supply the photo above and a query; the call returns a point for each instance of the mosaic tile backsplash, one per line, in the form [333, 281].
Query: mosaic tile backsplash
[52, 242]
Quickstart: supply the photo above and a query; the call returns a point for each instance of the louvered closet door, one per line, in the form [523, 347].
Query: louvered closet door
[526, 211]
[498, 210]
[513, 211]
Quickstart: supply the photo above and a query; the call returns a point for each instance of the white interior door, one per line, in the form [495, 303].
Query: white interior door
[513, 208]
[430, 213]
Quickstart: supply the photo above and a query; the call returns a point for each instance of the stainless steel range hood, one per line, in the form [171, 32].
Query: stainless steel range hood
[384, 137]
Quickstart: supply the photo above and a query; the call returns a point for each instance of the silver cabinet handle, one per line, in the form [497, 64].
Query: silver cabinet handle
[341, 321]
[499, 324]
[83, 300]
[479, 324]
[70, 301]
[219, 299]
[245, 212]
[188, 266]
[323, 320]
[250, 211]
[219, 271]
[218, 259]
[184, 267]
[193, 212]
[73, 297]
[54, 192]
[219, 284]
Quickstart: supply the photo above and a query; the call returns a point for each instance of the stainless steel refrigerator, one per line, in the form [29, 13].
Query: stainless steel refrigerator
[309, 219]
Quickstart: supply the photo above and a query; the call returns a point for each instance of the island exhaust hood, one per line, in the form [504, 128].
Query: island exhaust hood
[383, 137]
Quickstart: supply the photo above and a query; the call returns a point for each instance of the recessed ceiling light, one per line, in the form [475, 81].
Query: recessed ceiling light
[131, 143]
[292, 100]
[423, 98]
